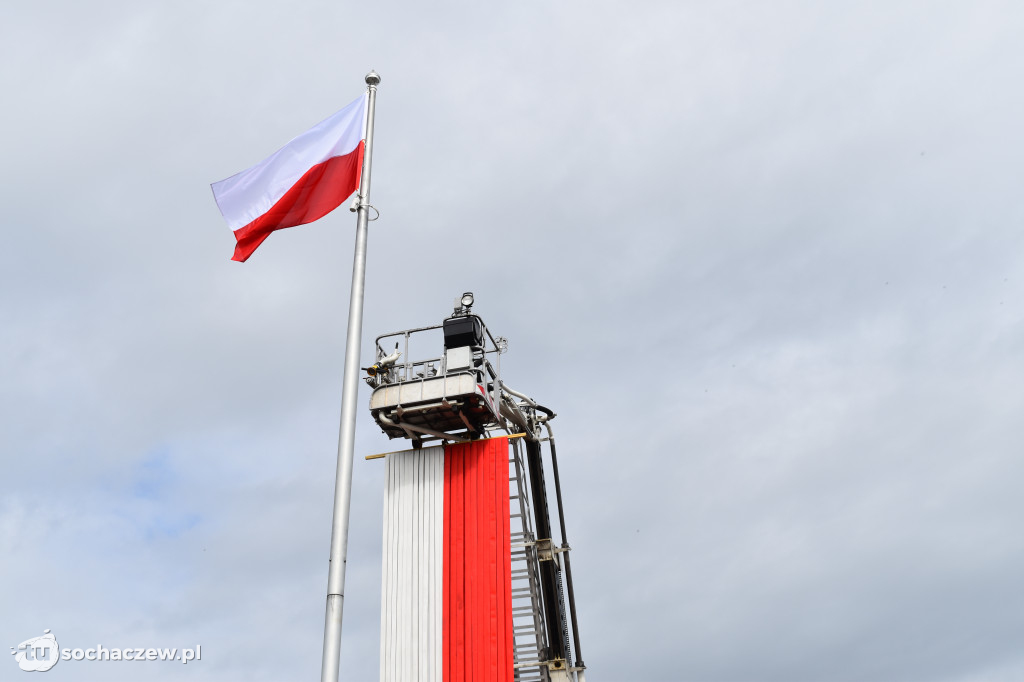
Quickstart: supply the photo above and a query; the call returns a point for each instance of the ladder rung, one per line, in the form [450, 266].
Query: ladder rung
[529, 664]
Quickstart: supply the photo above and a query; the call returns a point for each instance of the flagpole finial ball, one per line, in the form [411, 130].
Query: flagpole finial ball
[372, 78]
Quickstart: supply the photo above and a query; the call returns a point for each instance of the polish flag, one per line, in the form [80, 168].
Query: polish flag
[302, 181]
[446, 603]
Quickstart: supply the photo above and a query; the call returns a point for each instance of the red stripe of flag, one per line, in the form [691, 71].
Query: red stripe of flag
[318, 192]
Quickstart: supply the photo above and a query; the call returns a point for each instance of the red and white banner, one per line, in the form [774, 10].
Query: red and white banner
[303, 181]
[446, 605]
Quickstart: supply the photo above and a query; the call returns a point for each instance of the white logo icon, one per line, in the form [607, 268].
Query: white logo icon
[38, 654]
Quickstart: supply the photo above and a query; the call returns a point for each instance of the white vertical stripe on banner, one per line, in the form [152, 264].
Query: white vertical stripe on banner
[437, 566]
[412, 570]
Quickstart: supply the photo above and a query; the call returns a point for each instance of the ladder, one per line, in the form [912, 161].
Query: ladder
[527, 608]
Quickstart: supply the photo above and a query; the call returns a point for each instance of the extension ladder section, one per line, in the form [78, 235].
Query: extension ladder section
[527, 608]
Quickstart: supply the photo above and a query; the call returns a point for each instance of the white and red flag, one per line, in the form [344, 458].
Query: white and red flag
[301, 182]
[446, 606]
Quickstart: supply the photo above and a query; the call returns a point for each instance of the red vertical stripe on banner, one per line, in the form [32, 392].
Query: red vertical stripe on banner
[469, 561]
[503, 557]
[477, 602]
[446, 575]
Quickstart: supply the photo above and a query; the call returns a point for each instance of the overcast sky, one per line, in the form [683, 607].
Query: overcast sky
[763, 259]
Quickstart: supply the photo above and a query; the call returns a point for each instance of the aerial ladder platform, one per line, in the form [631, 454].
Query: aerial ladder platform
[441, 385]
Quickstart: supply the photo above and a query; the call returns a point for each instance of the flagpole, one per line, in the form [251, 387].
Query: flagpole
[347, 431]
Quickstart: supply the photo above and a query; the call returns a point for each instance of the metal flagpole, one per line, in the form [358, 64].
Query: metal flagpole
[347, 431]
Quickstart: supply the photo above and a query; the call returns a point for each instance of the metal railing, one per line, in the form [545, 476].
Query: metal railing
[410, 369]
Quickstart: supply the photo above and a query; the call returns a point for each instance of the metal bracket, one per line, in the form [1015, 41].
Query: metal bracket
[545, 550]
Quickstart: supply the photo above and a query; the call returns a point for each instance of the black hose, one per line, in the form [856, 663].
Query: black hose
[565, 546]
